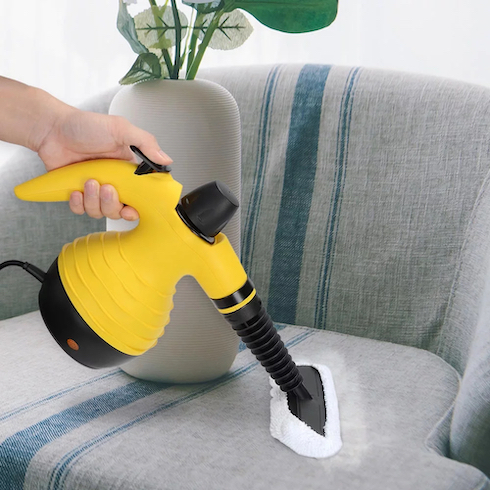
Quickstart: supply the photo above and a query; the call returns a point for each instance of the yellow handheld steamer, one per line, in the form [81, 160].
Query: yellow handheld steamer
[108, 296]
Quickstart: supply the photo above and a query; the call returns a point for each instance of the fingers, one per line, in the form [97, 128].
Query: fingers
[91, 199]
[100, 201]
[110, 206]
[128, 213]
[76, 203]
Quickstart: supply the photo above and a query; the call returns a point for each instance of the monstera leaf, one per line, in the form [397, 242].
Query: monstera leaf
[289, 15]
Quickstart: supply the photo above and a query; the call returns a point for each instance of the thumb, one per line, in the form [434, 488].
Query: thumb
[127, 134]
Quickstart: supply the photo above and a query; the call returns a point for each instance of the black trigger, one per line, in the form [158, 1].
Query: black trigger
[143, 168]
[147, 166]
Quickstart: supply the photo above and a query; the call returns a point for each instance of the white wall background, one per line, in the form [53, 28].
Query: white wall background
[73, 50]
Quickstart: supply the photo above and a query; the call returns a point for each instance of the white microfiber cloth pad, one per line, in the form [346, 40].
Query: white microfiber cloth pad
[298, 436]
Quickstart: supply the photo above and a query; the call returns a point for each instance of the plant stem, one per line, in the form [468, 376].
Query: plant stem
[191, 74]
[188, 39]
[178, 40]
[168, 61]
[192, 46]
[165, 53]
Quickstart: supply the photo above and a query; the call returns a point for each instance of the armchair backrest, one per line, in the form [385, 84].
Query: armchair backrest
[365, 211]
[358, 186]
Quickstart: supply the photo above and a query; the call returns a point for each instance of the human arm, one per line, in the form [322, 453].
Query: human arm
[62, 134]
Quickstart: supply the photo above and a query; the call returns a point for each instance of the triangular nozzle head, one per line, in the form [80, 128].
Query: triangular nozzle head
[312, 411]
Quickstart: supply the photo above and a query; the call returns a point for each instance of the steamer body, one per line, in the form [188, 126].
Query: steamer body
[108, 296]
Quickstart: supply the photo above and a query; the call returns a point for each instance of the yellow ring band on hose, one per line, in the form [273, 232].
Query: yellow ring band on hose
[240, 305]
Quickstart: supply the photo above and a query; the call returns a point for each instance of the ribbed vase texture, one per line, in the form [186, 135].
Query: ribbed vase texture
[197, 123]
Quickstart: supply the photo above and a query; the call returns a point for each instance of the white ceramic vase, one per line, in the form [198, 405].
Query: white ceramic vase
[197, 123]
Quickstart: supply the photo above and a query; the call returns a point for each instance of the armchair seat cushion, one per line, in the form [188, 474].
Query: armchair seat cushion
[64, 426]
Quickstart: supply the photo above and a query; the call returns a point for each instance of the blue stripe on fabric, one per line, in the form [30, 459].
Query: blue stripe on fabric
[336, 199]
[251, 219]
[299, 181]
[17, 451]
[55, 396]
[60, 473]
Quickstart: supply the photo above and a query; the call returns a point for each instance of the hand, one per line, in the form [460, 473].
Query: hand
[62, 135]
[78, 136]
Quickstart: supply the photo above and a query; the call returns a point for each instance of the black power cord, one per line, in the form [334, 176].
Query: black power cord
[31, 269]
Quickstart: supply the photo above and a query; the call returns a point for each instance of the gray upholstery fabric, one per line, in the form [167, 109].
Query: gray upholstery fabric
[385, 198]
[364, 211]
[469, 307]
[64, 426]
[372, 208]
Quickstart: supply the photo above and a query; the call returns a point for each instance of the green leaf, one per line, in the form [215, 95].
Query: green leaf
[205, 7]
[289, 15]
[232, 31]
[163, 67]
[125, 25]
[156, 27]
[146, 67]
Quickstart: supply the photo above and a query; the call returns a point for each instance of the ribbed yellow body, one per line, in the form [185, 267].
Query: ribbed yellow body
[122, 283]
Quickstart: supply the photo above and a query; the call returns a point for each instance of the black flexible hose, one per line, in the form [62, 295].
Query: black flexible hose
[31, 269]
[254, 326]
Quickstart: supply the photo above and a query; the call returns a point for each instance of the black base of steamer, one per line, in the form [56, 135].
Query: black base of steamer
[69, 329]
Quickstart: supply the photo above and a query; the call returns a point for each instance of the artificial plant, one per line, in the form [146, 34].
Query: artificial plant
[167, 43]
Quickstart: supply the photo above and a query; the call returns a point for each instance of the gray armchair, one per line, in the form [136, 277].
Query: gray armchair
[365, 207]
